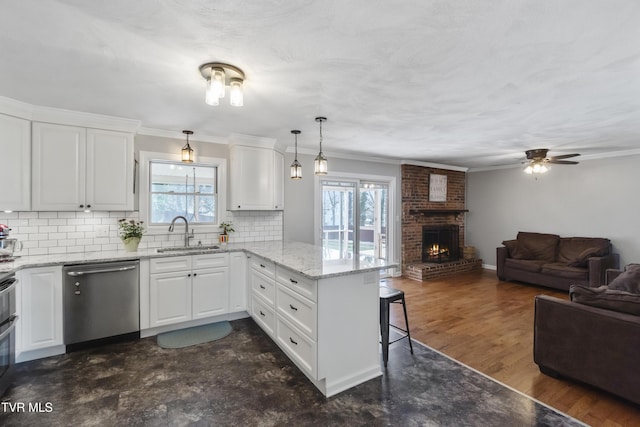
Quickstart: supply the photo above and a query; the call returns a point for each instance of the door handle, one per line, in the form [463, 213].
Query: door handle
[13, 321]
[103, 270]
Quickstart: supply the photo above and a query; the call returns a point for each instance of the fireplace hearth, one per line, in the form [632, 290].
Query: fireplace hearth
[440, 243]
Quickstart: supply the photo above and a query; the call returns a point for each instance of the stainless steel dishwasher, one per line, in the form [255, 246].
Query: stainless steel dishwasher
[101, 303]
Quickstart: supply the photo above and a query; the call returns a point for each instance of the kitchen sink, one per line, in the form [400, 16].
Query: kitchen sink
[188, 248]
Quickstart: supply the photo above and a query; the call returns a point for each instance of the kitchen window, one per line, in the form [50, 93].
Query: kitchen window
[182, 189]
[170, 188]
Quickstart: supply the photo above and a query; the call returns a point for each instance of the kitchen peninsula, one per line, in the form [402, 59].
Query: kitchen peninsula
[319, 306]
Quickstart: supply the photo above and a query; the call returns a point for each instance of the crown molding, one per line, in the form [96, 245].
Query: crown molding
[434, 165]
[252, 141]
[177, 134]
[39, 113]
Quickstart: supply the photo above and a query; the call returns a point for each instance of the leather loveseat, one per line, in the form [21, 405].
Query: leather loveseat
[554, 261]
[595, 337]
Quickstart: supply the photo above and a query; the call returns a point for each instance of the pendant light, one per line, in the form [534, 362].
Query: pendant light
[320, 163]
[187, 151]
[296, 167]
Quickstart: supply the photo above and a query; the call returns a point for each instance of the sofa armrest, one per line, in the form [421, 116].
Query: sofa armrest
[597, 346]
[502, 253]
[599, 265]
[610, 274]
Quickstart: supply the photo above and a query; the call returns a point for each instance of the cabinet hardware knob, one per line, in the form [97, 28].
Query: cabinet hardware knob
[238, 206]
[293, 281]
[88, 206]
[195, 274]
[189, 275]
[292, 341]
[82, 206]
[263, 266]
[293, 308]
[261, 313]
[262, 287]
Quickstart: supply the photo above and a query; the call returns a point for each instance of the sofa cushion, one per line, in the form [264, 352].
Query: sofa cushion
[559, 269]
[538, 245]
[603, 297]
[514, 251]
[628, 281]
[524, 264]
[577, 250]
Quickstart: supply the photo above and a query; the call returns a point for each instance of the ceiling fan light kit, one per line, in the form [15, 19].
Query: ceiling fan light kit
[538, 160]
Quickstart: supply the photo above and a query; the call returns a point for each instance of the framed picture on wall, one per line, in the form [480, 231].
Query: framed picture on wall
[437, 188]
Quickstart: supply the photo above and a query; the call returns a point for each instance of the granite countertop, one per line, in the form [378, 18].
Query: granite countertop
[309, 260]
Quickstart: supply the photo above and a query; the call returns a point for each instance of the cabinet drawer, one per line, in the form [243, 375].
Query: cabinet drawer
[297, 309]
[263, 315]
[267, 268]
[209, 260]
[304, 286]
[169, 264]
[300, 348]
[264, 286]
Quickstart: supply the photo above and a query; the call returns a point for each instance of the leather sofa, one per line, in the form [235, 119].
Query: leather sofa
[554, 261]
[595, 338]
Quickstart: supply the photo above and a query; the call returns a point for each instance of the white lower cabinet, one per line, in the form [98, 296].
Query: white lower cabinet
[237, 281]
[188, 287]
[39, 306]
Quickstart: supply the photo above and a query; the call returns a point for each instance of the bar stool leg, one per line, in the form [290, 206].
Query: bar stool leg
[384, 329]
[406, 322]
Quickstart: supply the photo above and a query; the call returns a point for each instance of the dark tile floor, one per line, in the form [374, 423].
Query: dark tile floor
[245, 380]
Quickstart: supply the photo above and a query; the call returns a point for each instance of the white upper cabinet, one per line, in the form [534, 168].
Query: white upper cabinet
[15, 145]
[74, 168]
[256, 178]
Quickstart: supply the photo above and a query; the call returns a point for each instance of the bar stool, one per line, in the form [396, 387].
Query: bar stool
[390, 296]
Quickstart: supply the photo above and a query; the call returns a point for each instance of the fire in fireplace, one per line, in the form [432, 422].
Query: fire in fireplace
[440, 243]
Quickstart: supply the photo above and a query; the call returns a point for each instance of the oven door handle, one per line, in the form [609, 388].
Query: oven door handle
[103, 270]
[13, 321]
[9, 288]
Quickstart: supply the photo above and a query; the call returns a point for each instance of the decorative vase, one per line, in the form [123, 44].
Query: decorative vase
[224, 238]
[131, 244]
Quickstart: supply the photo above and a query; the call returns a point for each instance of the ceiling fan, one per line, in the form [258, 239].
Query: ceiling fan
[537, 160]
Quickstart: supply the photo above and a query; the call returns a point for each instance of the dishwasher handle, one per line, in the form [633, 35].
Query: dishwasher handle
[101, 270]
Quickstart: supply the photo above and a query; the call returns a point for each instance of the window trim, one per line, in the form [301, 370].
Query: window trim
[221, 180]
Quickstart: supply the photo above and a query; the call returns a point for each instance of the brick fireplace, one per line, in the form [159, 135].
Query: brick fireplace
[419, 214]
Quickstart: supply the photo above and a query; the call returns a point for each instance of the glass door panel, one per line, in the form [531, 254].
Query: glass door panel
[337, 218]
[373, 219]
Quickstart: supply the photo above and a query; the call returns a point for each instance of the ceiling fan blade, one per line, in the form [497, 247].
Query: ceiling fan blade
[563, 156]
[562, 162]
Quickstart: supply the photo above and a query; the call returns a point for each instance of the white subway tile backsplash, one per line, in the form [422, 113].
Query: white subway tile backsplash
[67, 232]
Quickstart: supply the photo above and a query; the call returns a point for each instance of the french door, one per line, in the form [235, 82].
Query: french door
[354, 218]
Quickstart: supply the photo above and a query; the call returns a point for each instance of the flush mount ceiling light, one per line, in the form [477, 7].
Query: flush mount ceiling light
[320, 163]
[187, 151]
[296, 167]
[218, 76]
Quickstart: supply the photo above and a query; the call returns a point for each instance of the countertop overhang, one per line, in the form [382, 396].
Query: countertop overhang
[311, 261]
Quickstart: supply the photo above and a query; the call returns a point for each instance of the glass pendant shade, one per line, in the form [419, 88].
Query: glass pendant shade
[320, 164]
[186, 154]
[236, 97]
[218, 82]
[210, 97]
[296, 170]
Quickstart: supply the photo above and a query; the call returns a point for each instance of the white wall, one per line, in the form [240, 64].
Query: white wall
[597, 198]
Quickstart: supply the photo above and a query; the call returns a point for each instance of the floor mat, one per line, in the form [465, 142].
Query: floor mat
[195, 335]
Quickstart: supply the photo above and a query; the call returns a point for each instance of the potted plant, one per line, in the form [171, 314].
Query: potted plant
[227, 227]
[131, 232]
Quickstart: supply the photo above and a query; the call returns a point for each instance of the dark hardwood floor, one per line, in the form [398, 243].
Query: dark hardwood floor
[488, 325]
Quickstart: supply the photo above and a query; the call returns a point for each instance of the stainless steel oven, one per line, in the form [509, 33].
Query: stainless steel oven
[8, 320]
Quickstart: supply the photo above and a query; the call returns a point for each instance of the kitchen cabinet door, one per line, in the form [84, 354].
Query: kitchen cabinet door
[15, 146]
[40, 309]
[75, 168]
[237, 281]
[170, 298]
[278, 181]
[210, 292]
[251, 178]
[58, 167]
[109, 170]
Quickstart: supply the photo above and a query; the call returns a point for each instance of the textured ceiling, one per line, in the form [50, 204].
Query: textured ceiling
[470, 83]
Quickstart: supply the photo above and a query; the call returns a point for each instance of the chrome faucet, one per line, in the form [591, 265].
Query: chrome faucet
[186, 228]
